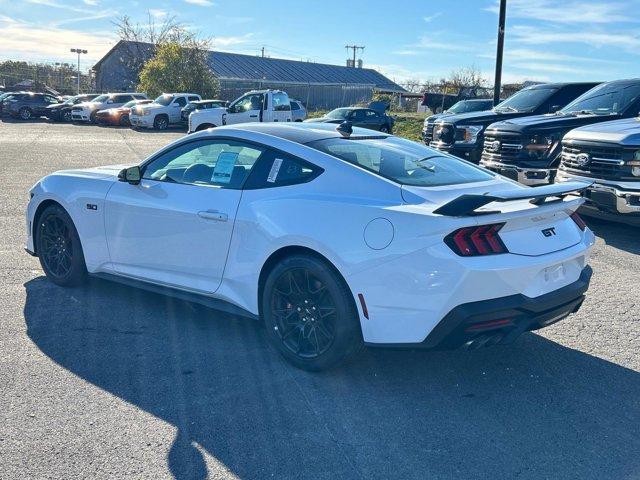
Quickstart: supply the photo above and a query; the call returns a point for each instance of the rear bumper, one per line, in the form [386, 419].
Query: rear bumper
[524, 175]
[502, 320]
[608, 197]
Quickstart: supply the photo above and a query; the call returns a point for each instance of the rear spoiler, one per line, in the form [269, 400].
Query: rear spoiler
[467, 204]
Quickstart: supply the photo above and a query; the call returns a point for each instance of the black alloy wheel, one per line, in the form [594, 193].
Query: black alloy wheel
[161, 122]
[66, 116]
[58, 247]
[25, 113]
[305, 313]
[310, 313]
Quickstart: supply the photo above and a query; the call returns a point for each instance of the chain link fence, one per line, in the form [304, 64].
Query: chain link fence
[60, 77]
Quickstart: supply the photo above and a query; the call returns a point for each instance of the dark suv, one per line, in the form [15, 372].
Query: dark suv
[528, 149]
[463, 134]
[62, 111]
[28, 105]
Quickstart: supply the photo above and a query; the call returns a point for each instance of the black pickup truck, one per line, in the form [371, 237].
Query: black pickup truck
[463, 135]
[528, 149]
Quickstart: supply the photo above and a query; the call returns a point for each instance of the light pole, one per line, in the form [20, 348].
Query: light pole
[79, 51]
[499, 50]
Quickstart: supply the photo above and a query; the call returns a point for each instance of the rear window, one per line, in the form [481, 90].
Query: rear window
[403, 161]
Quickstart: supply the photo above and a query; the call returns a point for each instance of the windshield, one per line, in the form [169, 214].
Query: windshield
[100, 99]
[340, 113]
[525, 100]
[403, 161]
[465, 106]
[164, 100]
[130, 104]
[606, 99]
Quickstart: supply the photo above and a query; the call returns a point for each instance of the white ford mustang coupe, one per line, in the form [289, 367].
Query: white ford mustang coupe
[334, 237]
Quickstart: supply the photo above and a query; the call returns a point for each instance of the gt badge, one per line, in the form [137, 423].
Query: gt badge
[549, 232]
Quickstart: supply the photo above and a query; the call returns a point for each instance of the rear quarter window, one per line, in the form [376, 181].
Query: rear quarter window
[276, 169]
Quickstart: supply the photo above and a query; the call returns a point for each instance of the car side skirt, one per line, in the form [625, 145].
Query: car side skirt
[207, 301]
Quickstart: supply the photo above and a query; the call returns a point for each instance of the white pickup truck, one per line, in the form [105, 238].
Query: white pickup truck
[163, 111]
[253, 106]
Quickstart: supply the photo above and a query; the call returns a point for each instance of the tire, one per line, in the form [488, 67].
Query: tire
[92, 117]
[25, 113]
[161, 122]
[66, 116]
[59, 249]
[296, 292]
[123, 121]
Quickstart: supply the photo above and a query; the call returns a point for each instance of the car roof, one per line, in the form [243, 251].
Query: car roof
[559, 85]
[302, 132]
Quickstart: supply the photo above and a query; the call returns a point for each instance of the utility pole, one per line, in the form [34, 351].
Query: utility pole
[354, 48]
[498, 79]
[79, 51]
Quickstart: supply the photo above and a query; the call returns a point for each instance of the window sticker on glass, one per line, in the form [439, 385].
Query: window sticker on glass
[224, 167]
[275, 168]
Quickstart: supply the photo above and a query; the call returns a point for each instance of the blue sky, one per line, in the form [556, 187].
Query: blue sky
[407, 39]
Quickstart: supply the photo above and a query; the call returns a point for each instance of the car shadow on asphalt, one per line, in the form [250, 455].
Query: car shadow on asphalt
[619, 235]
[535, 409]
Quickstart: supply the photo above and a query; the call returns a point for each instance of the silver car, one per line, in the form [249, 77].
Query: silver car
[298, 111]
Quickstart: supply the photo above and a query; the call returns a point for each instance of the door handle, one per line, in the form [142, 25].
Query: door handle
[213, 215]
[253, 116]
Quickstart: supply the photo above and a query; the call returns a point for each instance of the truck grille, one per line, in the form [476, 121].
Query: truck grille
[502, 149]
[593, 161]
[428, 133]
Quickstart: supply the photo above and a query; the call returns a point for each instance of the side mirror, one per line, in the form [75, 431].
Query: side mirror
[130, 175]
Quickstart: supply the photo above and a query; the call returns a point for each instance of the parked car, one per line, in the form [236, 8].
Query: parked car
[163, 112]
[28, 105]
[253, 106]
[86, 111]
[528, 149]
[331, 237]
[120, 115]
[439, 102]
[4, 97]
[609, 154]
[358, 117]
[62, 111]
[463, 134]
[298, 110]
[201, 105]
[463, 106]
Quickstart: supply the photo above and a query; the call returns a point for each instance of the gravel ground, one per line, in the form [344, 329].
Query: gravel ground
[108, 382]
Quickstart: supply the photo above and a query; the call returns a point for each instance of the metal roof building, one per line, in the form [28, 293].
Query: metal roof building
[318, 85]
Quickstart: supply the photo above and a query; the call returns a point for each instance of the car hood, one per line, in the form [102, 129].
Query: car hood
[480, 118]
[548, 122]
[108, 172]
[624, 132]
[57, 106]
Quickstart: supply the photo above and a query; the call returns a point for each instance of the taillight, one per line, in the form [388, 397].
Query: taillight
[476, 241]
[579, 221]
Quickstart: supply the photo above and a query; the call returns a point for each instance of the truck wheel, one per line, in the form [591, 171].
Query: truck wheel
[309, 313]
[59, 249]
[161, 122]
[24, 113]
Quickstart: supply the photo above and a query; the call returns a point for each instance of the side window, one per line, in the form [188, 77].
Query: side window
[122, 98]
[370, 114]
[358, 115]
[275, 169]
[180, 101]
[248, 102]
[193, 98]
[295, 106]
[49, 99]
[281, 102]
[221, 163]
[139, 96]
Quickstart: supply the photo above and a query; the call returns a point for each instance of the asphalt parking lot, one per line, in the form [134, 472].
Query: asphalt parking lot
[107, 382]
